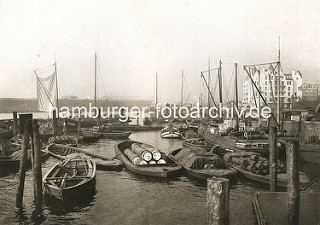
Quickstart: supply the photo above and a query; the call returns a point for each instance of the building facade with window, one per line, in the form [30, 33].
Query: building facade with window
[266, 79]
[310, 92]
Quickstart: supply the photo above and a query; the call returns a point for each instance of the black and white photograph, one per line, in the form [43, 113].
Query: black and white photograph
[160, 112]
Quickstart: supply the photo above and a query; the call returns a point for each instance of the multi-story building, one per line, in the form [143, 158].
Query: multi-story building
[267, 83]
[310, 91]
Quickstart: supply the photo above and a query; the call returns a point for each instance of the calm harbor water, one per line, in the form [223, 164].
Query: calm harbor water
[126, 198]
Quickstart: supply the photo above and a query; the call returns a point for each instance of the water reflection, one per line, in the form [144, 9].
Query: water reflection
[81, 204]
[122, 197]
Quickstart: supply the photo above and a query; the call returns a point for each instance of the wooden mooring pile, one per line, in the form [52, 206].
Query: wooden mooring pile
[30, 137]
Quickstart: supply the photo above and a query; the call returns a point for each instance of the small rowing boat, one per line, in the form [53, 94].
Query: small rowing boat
[89, 136]
[197, 143]
[62, 152]
[148, 163]
[188, 134]
[64, 140]
[70, 179]
[201, 164]
[115, 135]
[6, 134]
[7, 164]
[170, 132]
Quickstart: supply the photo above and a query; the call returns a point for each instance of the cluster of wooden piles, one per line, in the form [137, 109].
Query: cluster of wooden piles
[253, 162]
[143, 154]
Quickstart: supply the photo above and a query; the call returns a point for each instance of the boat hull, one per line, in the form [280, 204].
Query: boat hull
[310, 153]
[116, 135]
[102, 162]
[8, 165]
[6, 135]
[204, 174]
[281, 182]
[71, 193]
[156, 170]
[74, 191]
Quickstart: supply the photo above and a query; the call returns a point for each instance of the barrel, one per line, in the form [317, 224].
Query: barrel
[244, 162]
[130, 154]
[207, 166]
[251, 166]
[133, 157]
[227, 157]
[235, 160]
[156, 155]
[254, 158]
[138, 161]
[161, 161]
[266, 164]
[259, 165]
[152, 162]
[142, 152]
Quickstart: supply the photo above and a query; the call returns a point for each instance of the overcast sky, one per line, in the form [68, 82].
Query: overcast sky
[136, 39]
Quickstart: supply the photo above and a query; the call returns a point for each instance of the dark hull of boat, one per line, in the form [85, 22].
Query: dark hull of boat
[227, 173]
[11, 165]
[204, 174]
[281, 182]
[157, 170]
[6, 135]
[8, 165]
[70, 194]
[102, 162]
[204, 147]
[310, 153]
[116, 135]
[89, 138]
[133, 128]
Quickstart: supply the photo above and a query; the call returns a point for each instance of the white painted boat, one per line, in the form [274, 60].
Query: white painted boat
[170, 133]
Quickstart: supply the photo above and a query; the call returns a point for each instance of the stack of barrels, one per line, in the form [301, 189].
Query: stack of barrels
[252, 162]
[143, 154]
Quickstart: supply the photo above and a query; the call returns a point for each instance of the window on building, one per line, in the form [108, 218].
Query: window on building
[288, 88]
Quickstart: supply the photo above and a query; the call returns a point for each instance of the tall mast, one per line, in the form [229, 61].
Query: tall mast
[156, 88]
[236, 92]
[220, 81]
[182, 88]
[278, 102]
[95, 79]
[57, 95]
[209, 79]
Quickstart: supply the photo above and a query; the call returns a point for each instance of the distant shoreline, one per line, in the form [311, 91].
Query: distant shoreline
[22, 105]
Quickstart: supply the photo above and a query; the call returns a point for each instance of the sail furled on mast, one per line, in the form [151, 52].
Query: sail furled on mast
[47, 92]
